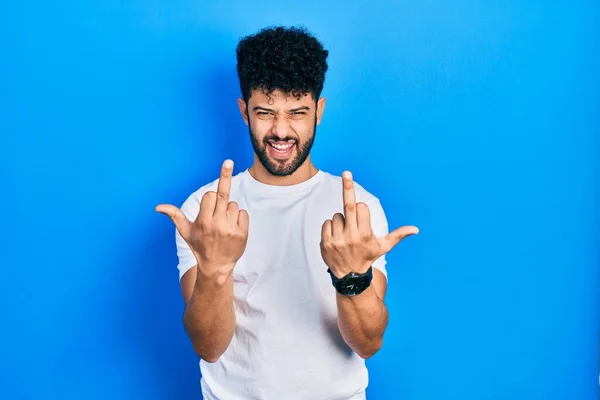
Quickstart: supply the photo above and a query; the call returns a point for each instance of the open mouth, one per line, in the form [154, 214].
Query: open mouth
[281, 149]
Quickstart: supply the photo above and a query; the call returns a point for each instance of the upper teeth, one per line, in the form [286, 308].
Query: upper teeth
[281, 146]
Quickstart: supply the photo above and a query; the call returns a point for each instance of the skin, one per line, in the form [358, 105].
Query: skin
[282, 116]
[219, 234]
[348, 244]
[218, 238]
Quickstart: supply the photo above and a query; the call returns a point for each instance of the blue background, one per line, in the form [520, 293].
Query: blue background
[476, 121]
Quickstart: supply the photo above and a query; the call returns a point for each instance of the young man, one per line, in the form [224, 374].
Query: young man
[282, 266]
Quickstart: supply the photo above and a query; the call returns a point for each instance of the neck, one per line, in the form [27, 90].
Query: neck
[303, 173]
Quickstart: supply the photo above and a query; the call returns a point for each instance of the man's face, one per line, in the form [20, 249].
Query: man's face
[282, 128]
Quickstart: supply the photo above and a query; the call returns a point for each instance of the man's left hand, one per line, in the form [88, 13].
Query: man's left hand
[348, 243]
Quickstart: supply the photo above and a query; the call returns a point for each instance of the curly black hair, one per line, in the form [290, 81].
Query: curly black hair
[289, 59]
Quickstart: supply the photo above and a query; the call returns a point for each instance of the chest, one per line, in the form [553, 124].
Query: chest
[282, 267]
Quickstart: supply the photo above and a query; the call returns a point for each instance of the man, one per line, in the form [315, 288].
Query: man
[282, 266]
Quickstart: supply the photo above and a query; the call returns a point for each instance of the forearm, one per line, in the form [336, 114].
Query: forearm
[209, 317]
[362, 320]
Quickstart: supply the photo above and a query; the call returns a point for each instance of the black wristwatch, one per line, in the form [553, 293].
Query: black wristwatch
[352, 284]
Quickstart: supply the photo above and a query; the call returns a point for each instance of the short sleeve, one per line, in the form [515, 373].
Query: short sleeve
[380, 228]
[186, 258]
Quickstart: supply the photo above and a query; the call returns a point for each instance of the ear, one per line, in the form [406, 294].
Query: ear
[243, 109]
[320, 108]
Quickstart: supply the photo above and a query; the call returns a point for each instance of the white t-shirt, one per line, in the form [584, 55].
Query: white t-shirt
[286, 344]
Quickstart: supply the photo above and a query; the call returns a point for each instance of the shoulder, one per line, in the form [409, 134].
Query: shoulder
[192, 203]
[332, 199]
[333, 184]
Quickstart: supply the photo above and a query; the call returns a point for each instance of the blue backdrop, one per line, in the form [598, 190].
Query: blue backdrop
[476, 121]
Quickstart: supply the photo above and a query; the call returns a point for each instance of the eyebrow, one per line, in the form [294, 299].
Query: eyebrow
[303, 108]
[262, 108]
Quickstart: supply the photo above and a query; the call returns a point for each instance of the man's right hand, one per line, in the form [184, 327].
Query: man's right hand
[219, 234]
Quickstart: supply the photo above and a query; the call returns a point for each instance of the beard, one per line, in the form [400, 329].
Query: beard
[282, 167]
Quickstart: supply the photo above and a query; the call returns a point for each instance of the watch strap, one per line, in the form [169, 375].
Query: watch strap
[337, 282]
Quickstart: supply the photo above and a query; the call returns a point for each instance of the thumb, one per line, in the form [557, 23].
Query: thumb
[393, 238]
[181, 222]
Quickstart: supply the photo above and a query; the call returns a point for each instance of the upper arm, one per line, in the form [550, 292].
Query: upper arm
[379, 225]
[187, 282]
[185, 255]
[187, 261]
[379, 283]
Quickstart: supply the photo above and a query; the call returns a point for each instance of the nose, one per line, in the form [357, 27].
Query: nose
[281, 126]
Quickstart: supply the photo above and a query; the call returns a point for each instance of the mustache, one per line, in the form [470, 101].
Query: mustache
[278, 139]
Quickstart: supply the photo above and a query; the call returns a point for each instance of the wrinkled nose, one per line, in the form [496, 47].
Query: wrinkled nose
[281, 127]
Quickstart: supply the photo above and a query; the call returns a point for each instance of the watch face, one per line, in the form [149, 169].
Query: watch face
[354, 285]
